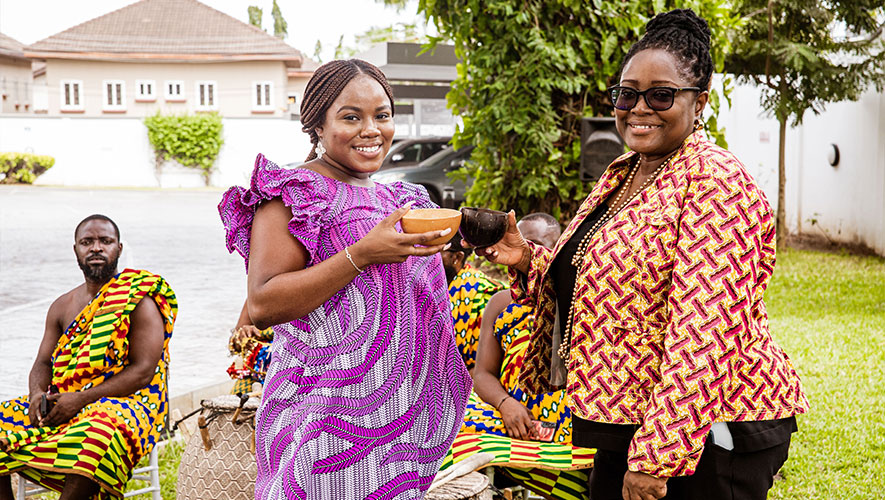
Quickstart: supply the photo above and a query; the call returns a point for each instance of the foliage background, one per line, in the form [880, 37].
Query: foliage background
[530, 72]
[23, 168]
[192, 140]
[805, 54]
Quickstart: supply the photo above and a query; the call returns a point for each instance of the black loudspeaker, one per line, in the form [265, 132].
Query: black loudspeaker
[600, 145]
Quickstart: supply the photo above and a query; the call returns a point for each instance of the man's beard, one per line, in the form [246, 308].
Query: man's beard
[99, 274]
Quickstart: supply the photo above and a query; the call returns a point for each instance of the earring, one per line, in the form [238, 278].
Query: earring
[698, 124]
[320, 149]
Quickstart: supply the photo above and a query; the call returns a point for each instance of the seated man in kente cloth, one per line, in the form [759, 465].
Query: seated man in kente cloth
[499, 417]
[469, 291]
[101, 368]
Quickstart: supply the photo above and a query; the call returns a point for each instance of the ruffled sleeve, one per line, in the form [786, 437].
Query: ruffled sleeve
[304, 191]
[406, 192]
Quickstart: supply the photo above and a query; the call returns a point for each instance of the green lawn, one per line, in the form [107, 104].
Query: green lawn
[828, 312]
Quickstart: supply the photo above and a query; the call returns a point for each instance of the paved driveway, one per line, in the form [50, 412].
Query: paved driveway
[176, 234]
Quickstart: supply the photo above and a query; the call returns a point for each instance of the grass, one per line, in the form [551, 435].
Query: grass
[168, 459]
[828, 313]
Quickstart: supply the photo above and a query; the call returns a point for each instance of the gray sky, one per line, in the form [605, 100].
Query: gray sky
[308, 20]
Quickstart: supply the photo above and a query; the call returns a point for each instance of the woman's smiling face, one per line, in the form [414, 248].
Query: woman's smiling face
[358, 128]
[657, 133]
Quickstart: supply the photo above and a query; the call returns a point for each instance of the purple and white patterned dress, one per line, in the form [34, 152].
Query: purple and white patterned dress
[364, 395]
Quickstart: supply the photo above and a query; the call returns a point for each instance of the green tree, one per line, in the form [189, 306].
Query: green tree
[529, 71]
[280, 27]
[255, 15]
[342, 52]
[804, 54]
[397, 32]
[318, 51]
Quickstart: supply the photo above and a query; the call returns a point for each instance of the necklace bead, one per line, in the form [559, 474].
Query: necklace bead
[614, 209]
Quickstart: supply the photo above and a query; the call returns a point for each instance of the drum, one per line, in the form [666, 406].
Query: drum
[218, 462]
[472, 486]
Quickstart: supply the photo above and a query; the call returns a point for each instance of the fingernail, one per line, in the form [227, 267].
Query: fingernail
[447, 246]
[408, 205]
[445, 231]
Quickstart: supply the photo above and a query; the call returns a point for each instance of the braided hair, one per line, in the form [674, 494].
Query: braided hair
[324, 87]
[685, 36]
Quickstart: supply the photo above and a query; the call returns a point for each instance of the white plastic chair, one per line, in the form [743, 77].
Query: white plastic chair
[149, 473]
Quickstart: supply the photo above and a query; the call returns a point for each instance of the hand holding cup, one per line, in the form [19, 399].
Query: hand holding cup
[511, 250]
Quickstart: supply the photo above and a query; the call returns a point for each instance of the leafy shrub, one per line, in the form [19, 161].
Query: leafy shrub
[23, 168]
[191, 140]
[529, 71]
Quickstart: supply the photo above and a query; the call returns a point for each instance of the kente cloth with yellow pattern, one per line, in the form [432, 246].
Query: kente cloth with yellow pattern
[108, 437]
[255, 355]
[548, 469]
[469, 292]
[670, 330]
[519, 459]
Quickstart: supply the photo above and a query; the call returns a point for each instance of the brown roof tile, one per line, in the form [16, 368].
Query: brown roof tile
[165, 28]
[11, 47]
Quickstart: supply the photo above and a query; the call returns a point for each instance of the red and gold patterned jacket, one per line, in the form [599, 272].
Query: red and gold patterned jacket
[671, 332]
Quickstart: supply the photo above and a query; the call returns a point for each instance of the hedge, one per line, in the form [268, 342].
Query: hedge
[191, 140]
[23, 168]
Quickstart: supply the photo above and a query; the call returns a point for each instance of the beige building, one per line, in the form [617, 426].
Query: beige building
[16, 81]
[173, 56]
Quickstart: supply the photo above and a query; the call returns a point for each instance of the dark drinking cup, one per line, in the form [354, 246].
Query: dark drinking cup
[482, 227]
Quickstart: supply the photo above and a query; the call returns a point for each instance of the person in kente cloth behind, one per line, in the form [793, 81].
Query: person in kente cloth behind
[650, 310]
[501, 419]
[365, 389]
[469, 291]
[101, 374]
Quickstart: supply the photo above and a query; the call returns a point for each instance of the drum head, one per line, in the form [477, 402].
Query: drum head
[473, 486]
[228, 402]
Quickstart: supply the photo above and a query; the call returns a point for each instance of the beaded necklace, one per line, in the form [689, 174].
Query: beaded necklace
[613, 210]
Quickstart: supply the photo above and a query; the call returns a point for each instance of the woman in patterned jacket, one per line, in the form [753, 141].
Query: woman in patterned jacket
[649, 309]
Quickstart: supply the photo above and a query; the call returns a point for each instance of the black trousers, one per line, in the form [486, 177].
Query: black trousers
[720, 475]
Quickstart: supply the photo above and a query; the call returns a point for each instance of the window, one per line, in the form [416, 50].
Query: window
[206, 96]
[71, 95]
[410, 154]
[262, 93]
[432, 148]
[113, 96]
[144, 90]
[174, 90]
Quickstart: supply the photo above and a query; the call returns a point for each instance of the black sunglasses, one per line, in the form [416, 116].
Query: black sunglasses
[657, 98]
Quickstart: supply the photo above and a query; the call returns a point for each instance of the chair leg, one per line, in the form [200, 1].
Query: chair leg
[155, 475]
[20, 494]
[152, 477]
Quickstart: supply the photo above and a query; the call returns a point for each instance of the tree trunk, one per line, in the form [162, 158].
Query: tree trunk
[781, 220]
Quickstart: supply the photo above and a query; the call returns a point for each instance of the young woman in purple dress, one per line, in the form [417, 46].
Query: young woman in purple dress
[365, 390]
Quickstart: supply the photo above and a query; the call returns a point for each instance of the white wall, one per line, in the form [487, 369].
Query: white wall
[116, 151]
[845, 202]
[16, 85]
[234, 86]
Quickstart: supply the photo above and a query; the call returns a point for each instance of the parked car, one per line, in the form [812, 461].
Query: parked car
[432, 173]
[410, 152]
